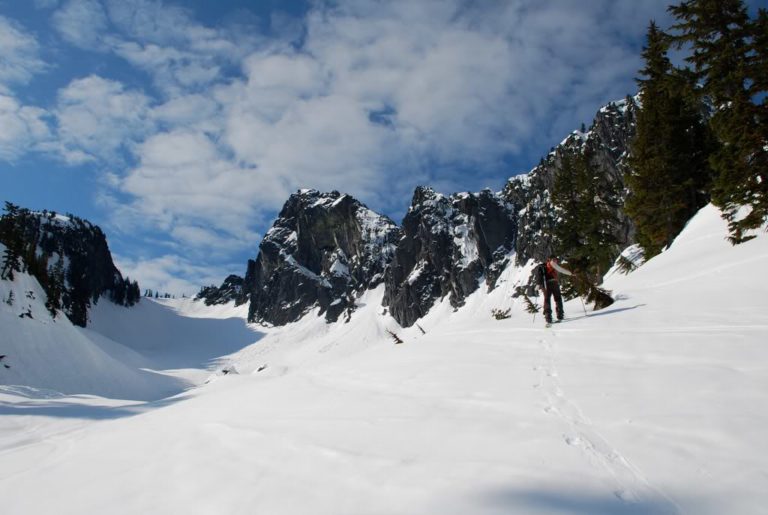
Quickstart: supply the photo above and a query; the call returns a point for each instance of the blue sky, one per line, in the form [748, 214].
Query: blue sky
[181, 127]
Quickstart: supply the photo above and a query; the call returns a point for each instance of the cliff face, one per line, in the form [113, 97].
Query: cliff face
[607, 142]
[448, 244]
[68, 256]
[323, 250]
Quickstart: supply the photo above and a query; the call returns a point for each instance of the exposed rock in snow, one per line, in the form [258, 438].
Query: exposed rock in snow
[70, 258]
[323, 250]
[608, 141]
[448, 244]
[230, 290]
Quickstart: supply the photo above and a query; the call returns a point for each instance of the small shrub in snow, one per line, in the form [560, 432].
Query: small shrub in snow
[501, 314]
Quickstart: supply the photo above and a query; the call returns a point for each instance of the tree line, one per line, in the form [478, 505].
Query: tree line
[701, 136]
[32, 247]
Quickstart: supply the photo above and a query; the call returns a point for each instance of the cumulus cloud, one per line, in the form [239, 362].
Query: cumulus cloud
[82, 23]
[169, 273]
[21, 128]
[192, 111]
[373, 98]
[179, 53]
[378, 97]
[385, 93]
[98, 117]
[19, 60]
[188, 189]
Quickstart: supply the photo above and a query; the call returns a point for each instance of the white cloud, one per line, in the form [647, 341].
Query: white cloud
[82, 23]
[19, 59]
[98, 117]
[379, 96]
[170, 273]
[21, 128]
[185, 187]
[382, 96]
[165, 40]
[193, 111]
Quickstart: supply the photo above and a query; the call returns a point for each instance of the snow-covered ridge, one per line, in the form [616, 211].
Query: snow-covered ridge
[68, 256]
[654, 405]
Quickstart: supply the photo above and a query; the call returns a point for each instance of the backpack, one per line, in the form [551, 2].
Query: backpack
[540, 275]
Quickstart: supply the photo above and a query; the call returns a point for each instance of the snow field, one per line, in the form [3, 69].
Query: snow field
[656, 404]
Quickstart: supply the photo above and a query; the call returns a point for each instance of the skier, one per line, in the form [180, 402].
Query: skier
[550, 285]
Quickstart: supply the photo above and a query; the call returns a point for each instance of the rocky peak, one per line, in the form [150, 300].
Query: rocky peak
[607, 141]
[323, 250]
[448, 244]
[68, 256]
[230, 290]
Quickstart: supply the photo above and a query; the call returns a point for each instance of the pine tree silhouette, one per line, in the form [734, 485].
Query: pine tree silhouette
[669, 174]
[730, 57]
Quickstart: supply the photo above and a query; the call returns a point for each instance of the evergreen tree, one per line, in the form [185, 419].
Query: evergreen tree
[10, 237]
[585, 206]
[729, 58]
[669, 174]
[55, 288]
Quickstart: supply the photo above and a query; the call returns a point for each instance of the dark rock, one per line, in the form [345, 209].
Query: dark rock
[323, 250]
[607, 141]
[70, 259]
[448, 245]
[230, 290]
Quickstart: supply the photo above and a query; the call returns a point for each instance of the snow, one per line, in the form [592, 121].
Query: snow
[656, 404]
[416, 272]
[338, 268]
[465, 244]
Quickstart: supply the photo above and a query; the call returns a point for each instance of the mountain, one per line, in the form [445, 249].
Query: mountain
[68, 256]
[448, 244]
[655, 405]
[607, 143]
[323, 250]
[230, 290]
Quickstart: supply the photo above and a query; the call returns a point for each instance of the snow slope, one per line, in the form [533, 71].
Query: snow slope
[657, 404]
[142, 353]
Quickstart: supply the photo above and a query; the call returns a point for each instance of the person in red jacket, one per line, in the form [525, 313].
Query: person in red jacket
[552, 288]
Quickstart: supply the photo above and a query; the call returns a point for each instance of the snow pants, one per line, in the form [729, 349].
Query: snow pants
[553, 290]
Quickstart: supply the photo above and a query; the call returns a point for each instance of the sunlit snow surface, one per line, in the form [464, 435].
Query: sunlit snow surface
[658, 404]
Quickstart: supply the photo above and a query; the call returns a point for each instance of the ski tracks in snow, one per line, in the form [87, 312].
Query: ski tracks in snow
[627, 482]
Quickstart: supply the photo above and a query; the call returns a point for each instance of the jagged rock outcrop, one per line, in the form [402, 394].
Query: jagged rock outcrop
[607, 142]
[68, 256]
[323, 250]
[230, 290]
[448, 244]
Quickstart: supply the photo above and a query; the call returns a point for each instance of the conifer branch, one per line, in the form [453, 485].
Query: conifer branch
[625, 265]
[501, 314]
[530, 306]
[394, 337]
